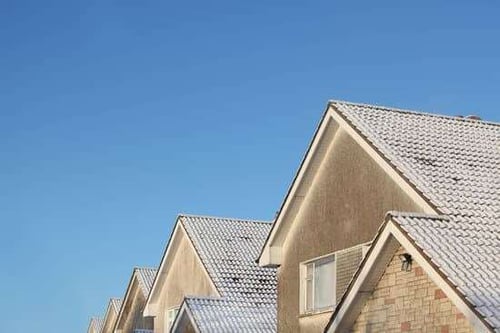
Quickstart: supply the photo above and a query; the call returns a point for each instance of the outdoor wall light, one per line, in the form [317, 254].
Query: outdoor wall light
[405, 262]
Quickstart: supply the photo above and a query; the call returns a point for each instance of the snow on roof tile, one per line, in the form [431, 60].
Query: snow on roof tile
[228, 248]
[146, 278]
[223, 315]
[455, 163]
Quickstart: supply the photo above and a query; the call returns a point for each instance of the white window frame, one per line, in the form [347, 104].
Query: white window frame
[303, 284]
[169, 320]
[303, 276]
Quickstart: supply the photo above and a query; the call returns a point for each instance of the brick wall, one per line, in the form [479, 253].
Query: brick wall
[409, 302]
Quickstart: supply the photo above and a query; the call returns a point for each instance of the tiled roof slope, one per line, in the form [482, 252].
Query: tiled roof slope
[96, 324]
[146, 277]
[468, 258]
[116, 304]
[455, 164]
[228, 249]
[221, 315]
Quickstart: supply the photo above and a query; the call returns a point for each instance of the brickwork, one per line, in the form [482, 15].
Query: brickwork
[409, 302]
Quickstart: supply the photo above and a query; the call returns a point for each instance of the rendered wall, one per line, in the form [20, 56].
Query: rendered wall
[110, 322]
[186, 277]
[132, 317]
[409, 302]
[344, 207]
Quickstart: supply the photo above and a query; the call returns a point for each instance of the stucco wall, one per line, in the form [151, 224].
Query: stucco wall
[132, 317]
[344, 207]
[110, 323]
[186, 277]
[409, 301]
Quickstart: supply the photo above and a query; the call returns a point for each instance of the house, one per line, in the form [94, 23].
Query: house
[363, 162]
[434, 293]
[208, 278]
[112, 311]
[130, 318]
[95, 325]
[437, 271]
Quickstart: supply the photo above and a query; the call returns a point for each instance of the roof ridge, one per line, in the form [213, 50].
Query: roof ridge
[217, 298]
[395, 213]
[145, 268]
[413, 112]
[180, 215]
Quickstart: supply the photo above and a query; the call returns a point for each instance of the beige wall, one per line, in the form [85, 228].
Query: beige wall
[186, 277]
[344, 207]
[132, 311]
[110, 322]
[409, 301]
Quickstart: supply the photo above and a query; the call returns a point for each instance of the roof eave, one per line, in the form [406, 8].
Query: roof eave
[341, 319]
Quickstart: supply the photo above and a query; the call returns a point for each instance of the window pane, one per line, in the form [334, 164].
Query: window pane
[324, 283]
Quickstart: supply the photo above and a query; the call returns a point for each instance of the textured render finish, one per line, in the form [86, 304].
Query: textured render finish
[185, 277]
[228, 249]
[344, 207]
[213, 315]
[111, 315]
[137, 293]
[409, 302]
[455, 163]
[133, 313]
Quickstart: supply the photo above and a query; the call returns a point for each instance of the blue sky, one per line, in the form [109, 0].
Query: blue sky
[117, 115]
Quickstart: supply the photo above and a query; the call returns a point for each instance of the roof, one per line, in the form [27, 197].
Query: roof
[146, 277]
[96, 324]
[116, 304]
[222, 315]
[228, 248]
[468, 258]
[454, 163]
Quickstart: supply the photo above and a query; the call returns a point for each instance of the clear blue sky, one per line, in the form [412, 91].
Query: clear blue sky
[117, 115]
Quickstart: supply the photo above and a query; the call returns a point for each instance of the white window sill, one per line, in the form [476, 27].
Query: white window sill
[316, 312]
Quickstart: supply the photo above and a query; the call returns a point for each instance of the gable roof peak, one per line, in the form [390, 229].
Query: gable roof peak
[221, 218]
[468, 119]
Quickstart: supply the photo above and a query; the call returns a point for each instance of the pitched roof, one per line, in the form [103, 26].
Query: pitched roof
[116, 304]
[146, 277]
[467, 256]
[96, 324]
[455, 164]
[228, 249]
[222, 315]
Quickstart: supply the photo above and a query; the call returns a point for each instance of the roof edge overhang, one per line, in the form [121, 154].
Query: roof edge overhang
[270, 254]
[133, 278]
[151, 306]
[108, 312]
[184, 315]
[389, 237]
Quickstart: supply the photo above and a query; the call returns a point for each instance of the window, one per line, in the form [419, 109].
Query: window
[319, 284]
[325, 279]
[169, 318]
